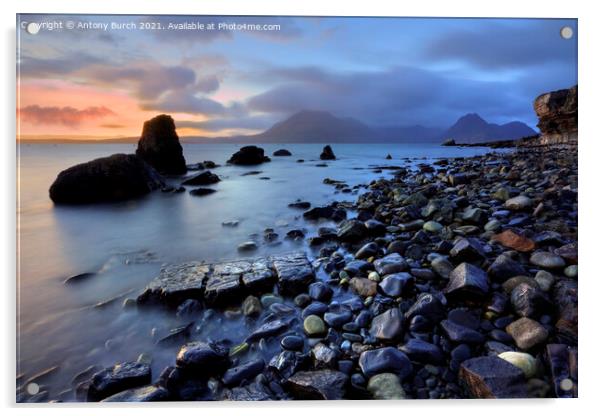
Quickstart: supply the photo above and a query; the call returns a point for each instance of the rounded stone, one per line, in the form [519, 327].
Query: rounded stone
[386, 386]
[571, 271]
[313, 325]
[432, 226]
[547, 260]
[522, 360]
[292, 343]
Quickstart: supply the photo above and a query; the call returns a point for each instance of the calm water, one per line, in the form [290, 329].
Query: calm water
[126, 244]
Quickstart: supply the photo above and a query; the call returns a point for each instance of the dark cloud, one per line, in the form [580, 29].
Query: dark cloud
[514, 45]
[67, 116]
[398, 96]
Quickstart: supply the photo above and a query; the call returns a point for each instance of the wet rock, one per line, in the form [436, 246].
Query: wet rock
[327, 154]
[205, 178]
[236, 375]
[141, 394]
[248, 155]
[175, 284]
[515, 241]
[490, 377]
[294, 273]
[467, 282]
[159, 146]
[545, 280]
[203, 359]
[247, 246]
[467, 249]
[475, 216]
[527, 333]
[529, 301]
[423, 352]
[351, 231]
[391, 263]
[397, 284]
[568, 252]
[363, 287]
[202, 191]
[320, 291]
[282, 152]
[329, 212]
[460, 333]
[388, 326]
[367, 251]
[324, 357]
[375, 228]
[189, 307]
[267, 330]
[109, 179]
[292, 343]
[251, 306]
[504, 267]
[338, 315]
[176, 335]
[300, 205]
[317, 385]
[566, 302]
[118, 378]
[385, 360]
[518, 203]
[547, 260]
[526, 362]
[386, 386]
[442, 266]
[432, 226]
[427, 306]
[314, 326]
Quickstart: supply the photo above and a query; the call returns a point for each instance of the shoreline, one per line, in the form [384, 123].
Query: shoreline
[429, 226]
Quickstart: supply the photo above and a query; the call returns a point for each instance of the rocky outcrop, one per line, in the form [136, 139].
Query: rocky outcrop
[108, 179]
[557, 112]
[160, 147]
[249, 155]
[327, 153]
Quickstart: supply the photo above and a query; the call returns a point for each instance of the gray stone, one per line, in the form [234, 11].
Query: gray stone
[527, 333]
[467, 282]
[388, 326]
[317, 385]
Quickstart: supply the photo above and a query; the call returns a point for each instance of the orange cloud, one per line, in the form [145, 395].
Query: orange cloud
[67, 116]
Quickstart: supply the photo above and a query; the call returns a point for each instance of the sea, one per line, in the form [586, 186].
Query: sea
[61, 327]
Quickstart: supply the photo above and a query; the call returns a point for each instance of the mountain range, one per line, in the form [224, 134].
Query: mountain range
[321, 127]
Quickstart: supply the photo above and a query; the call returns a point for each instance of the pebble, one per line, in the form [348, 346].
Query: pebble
[313, 325]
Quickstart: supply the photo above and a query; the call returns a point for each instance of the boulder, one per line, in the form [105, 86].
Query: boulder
[203, 359]
[327, 153]
[249, 155]
[205, 178]
[385, 360]
[282, 152]
[108, 179]
[160, 147]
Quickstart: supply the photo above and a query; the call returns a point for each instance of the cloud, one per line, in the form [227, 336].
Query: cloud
[258, 122]
[182, 102]
[511, 45]
[394, 96]
[66, 116]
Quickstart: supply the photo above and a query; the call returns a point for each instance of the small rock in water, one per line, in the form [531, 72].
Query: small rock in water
[247, 246]
[202, 191]
[251, 306]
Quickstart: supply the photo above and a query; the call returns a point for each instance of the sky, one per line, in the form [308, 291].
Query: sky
[106, 75]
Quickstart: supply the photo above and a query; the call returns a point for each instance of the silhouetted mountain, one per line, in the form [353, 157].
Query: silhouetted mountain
[471, 128]
[316, 126]
[323, 127]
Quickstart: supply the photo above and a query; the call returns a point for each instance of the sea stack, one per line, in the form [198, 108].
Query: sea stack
[160, 147]
[249, 155]
[557, 112]
[327, 153]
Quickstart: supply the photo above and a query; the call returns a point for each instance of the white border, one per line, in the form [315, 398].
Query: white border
[590, 176]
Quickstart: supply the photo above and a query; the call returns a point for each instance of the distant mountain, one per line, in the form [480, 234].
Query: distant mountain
[323, 127]
[317, 126]
[471, 128]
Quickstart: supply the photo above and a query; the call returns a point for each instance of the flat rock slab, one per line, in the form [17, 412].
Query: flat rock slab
[225, 283]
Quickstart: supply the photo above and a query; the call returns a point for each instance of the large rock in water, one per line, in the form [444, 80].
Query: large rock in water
[557, 112]
[327, 154]
[108, 179]
[118, 378]
[248, 155]
[160, 147]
